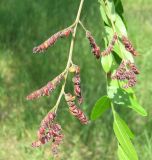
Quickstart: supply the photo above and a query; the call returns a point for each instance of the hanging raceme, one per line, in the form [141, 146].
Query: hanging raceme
[95, 48]
[51, 41]
[121, 74]
[128, 45]
[127, 71]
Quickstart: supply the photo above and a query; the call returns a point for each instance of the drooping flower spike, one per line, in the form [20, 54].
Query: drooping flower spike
[94, 46]
[76, 80]
[49, 131]
[128, 45]
[127, 71]
[47, 89]
[51, 41]
[109, 49]
[74, 110]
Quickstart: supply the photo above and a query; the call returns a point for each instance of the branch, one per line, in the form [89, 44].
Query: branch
[70, 55]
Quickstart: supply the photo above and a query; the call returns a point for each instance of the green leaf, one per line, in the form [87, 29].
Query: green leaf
[121, 154]
[112, 90]
[110, 10]
[106, 62]
[103, 15]
[109, 34]
[100, 107]
[125, 97]
[120, 26]
[123, 138]
[118, 51]
[124, 126]
[137, 107]
[119, 7]
[118, 95]
[129, 90]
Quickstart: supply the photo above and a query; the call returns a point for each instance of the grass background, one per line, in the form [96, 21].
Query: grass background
[24, 24]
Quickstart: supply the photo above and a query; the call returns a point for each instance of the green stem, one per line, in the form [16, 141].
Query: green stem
[113, 109]
[70, 56]
[84, 28]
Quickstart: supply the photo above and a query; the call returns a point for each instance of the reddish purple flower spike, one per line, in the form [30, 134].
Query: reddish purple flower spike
[109, 49]
[127, 71]
[49, 131]
[51, 41]
[134, 68]
[94, 46]
[74, 110]
[47, 89]
[128, 45]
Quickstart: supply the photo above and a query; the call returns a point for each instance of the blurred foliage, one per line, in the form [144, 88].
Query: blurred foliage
[24, 24]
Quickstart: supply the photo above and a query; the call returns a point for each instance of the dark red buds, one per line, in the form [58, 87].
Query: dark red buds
[47, 89]
[74, 110]
[128, 45]
[94, 46]
[109, 49]
[49, 131]
[127, 71]
[77, 88]
[51, 41]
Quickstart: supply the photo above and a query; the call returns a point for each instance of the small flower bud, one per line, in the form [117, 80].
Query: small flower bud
[69, 97]
[74, 69]
[66, 32]
[36, 144]
[56, 142]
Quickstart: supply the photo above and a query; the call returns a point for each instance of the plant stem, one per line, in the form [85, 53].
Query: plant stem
[114, 30]
[70, 55]
[82, 26]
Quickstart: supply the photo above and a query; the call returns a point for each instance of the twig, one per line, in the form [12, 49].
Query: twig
[70, 56]
[82, 25]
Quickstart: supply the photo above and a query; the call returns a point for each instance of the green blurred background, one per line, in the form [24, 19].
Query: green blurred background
[26, 23]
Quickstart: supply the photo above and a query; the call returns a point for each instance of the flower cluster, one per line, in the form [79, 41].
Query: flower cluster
[49, 131]
[74, 110]
[47, 89]
[109, 49]
[94, 46]
[128, 45]
[127, 71]
[51, 41]
[77, 87]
